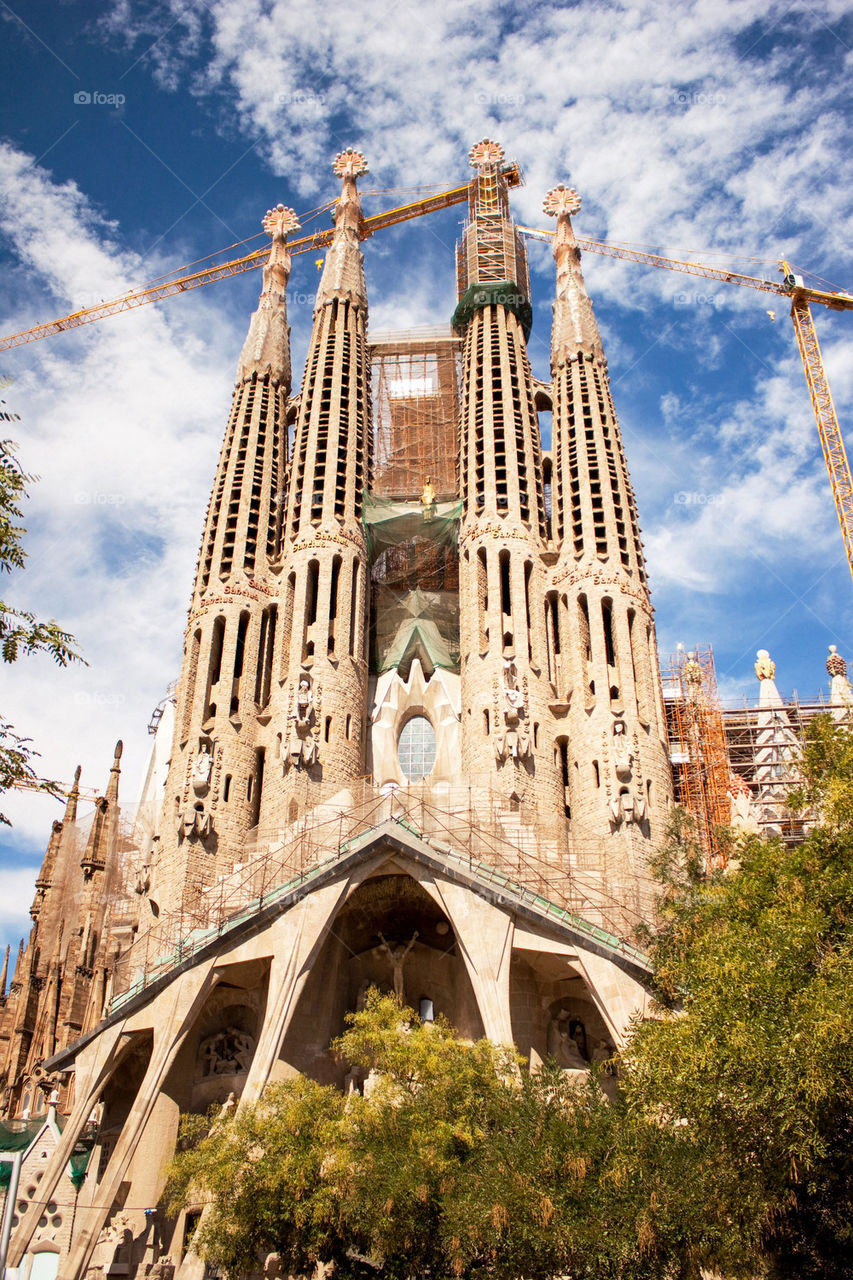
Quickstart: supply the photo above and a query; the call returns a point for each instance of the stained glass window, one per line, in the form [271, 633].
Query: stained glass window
[416, 748]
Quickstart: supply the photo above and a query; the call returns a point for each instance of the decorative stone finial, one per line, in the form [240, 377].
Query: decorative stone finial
[278, 222]
[765, 667]
[349, 164]
[485, 153]
[835, 664]
[692, 671]
[561, 200]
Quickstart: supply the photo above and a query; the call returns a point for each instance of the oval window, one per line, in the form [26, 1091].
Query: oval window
[416, 748]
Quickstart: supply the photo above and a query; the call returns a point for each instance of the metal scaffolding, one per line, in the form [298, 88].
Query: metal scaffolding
[416, 388]
[700, 761]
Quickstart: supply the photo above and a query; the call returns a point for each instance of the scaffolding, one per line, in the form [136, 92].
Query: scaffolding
[416, 397]
[512, 850]
[700, 761]
[764, 747]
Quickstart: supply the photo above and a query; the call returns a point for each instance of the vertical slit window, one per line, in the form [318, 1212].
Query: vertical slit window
[189, 691]
[214, 669]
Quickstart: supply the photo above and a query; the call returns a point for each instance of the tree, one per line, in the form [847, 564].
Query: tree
[751, 1070]
[456, 1163]
[20, 631]
[726, 1147]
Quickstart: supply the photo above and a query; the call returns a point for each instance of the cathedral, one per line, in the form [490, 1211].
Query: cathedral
[419, 741]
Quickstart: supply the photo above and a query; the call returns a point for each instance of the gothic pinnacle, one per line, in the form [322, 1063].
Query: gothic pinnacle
[72, 798]
[574, 329]
[267, 346]
[115, 771]
[343, 272]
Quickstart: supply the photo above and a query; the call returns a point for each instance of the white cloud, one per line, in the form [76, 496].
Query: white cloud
[122, 421]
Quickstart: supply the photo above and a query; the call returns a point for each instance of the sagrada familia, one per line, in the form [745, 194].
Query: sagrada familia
[419, 741]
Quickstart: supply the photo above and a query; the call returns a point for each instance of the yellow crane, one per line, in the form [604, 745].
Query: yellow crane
[221, 271]
[801, 296]
[792, 287]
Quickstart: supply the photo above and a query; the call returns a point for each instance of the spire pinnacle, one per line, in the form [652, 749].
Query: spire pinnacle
[574, 328]
[343, 272]
[73, 797]
[115, 771]
[4, 973]
[267, 345]
[485, 154]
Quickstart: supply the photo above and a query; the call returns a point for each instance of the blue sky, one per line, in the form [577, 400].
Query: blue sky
[721, 129]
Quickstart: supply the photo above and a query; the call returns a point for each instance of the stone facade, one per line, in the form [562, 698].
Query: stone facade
[463, 819]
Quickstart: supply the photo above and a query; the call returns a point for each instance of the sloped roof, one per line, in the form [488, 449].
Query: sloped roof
[393, 836]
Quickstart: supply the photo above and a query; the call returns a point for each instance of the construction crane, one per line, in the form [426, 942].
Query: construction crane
[223, 270]
[792, 287]
[801, 296]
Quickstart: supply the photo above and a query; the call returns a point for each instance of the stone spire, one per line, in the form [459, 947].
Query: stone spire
[266, 350]
[574, 328]
[343, 271]
[104, 822]
[841, 695]
[765, 669]
[324, 554]
[602, 649]
[503, 529]
[4, 974]
[48, 866]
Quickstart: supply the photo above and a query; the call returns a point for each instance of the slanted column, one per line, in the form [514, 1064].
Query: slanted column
[621, 783]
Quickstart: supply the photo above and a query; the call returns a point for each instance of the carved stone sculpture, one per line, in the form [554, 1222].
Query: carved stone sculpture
[397, 955]
[302, 744]
[629, 804]
[562, 1046]
[226, 1053]
[765, 667]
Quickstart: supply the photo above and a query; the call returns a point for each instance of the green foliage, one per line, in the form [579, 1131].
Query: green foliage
[724, 1148]
[20, 631]
[754, 1068]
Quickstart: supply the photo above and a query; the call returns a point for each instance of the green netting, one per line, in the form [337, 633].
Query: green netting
[79, 1163]
[415, 583]
[388, 523]
[503, 293]
[5, 1175]
[415, 624]
[16, 1135]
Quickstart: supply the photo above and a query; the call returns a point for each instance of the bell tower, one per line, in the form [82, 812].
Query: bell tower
[319, 704]
[216, 771]
[505, 693]
[600, 627]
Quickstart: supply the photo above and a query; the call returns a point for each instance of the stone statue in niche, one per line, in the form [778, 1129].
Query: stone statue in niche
[202, 769]
[562, 1045]
[629, 804]
[512, 741]
[303, 736]
[397, 954]
[226, 1053]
